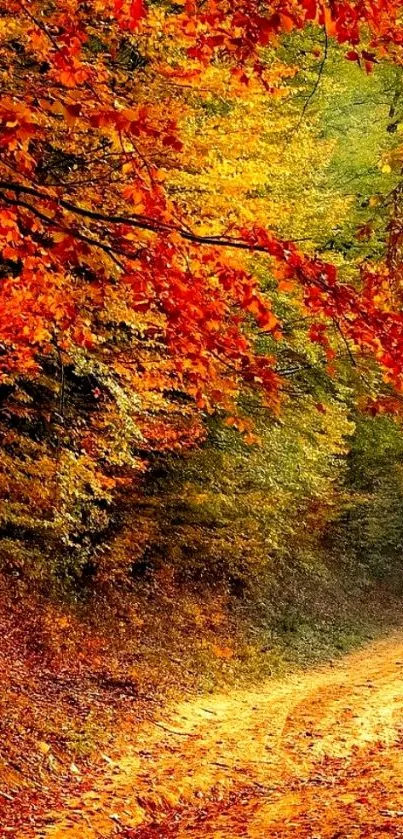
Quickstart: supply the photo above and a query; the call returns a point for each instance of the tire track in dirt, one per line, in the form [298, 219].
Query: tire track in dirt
[318, 755]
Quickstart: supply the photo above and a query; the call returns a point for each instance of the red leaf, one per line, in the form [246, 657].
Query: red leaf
[352, 55]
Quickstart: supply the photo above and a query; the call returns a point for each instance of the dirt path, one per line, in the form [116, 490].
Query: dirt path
[319, 755]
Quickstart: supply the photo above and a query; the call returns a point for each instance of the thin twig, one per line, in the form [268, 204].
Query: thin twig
[318, 79]
[62, 381]
[174, 730]
[311, 95]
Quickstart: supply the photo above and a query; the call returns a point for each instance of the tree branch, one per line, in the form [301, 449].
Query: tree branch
[138, 221]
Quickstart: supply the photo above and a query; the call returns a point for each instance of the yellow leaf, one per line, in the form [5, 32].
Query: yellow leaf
[223, 652]
[43, 747]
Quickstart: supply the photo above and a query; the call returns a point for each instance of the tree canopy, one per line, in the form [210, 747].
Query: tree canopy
[185, 234]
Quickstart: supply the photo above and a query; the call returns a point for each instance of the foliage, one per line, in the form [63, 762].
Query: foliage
[153, 291]
[235, 512]
[369, 530]
[201, 344]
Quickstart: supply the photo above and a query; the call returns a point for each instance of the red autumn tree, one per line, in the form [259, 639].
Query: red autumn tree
[89, 122]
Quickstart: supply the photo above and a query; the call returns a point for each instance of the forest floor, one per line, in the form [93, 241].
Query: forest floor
[317, 754]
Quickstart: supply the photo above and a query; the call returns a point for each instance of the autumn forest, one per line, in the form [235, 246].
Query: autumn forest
[201, 418]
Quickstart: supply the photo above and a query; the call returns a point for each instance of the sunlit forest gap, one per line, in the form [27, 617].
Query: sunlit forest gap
[201, 385]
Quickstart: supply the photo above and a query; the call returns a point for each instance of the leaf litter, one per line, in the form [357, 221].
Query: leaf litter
[248, 768]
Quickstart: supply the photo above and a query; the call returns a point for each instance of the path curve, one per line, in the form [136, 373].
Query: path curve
[318, 755]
